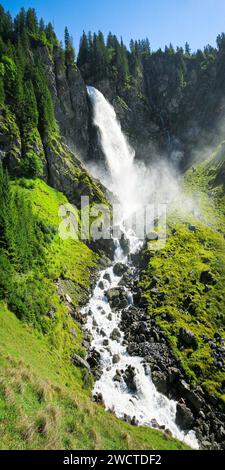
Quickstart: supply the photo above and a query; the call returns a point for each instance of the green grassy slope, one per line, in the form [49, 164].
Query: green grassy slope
[45, 401]
[195, 244]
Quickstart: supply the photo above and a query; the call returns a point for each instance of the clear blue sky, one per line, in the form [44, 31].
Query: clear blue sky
[163, 21]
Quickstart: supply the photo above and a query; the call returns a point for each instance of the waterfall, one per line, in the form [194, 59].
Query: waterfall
[118, 153]
[146, 404]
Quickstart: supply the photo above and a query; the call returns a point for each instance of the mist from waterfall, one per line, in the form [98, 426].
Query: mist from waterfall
[127, 179]
[134, 183]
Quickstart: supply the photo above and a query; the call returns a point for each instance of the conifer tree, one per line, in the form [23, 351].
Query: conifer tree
[31, 21]
[83, 51]
[69, 49]
[187, 50]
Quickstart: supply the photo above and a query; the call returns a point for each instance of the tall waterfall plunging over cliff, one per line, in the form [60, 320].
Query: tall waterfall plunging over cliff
[118, 153]
[135, 399]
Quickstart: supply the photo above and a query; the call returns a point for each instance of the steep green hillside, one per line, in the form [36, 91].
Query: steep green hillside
[45, 405]
[45, 400]
[185, 282]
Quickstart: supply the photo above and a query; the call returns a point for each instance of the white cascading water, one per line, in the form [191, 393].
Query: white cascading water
[147, 405]
[119, 155]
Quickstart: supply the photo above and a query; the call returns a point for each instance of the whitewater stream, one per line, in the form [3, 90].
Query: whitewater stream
[146, 404]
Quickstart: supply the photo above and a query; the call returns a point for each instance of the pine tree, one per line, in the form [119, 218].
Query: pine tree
[69, 49]
[31, 21]
[187, 50]
[83, 51]
[41, 26]
[6, 24]
[50, 34]
[20, 22]
[121, 63]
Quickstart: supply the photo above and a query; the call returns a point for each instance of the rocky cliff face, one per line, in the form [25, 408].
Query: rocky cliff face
[70, 100]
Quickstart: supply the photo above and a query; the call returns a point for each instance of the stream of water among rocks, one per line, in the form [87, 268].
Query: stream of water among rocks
[123, 381]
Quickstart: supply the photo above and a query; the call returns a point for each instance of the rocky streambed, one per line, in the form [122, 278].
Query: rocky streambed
[122, 338]
[136, 374]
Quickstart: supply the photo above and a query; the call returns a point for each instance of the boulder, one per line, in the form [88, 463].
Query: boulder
[117, 297]
[129, 379]
[94, 359]
[98, 398]
[113, 293]
[107, 277]
[119, 269]
[160, 381]
[184, 417]
[187, 338]
[115, 335]
[125, 244]
[117, 377]
[80, 362]
[116, 359]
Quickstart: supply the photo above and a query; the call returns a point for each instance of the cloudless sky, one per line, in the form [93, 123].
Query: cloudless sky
[163, 21]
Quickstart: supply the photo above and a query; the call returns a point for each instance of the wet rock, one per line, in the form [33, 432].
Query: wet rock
[113, 293]
[115, 335]
[127, 280]
[119, 269]
[129, 378]
[117, 377]
[134, 421]
[80, 362]
[116, 359]
[160, 381]
[101, 285]
[107, 277]
[125, 244]
[98, 398]
[184, 417]
[94, 359]
[102, 332]
[117, 297]
[187, 338]
[154, 424]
